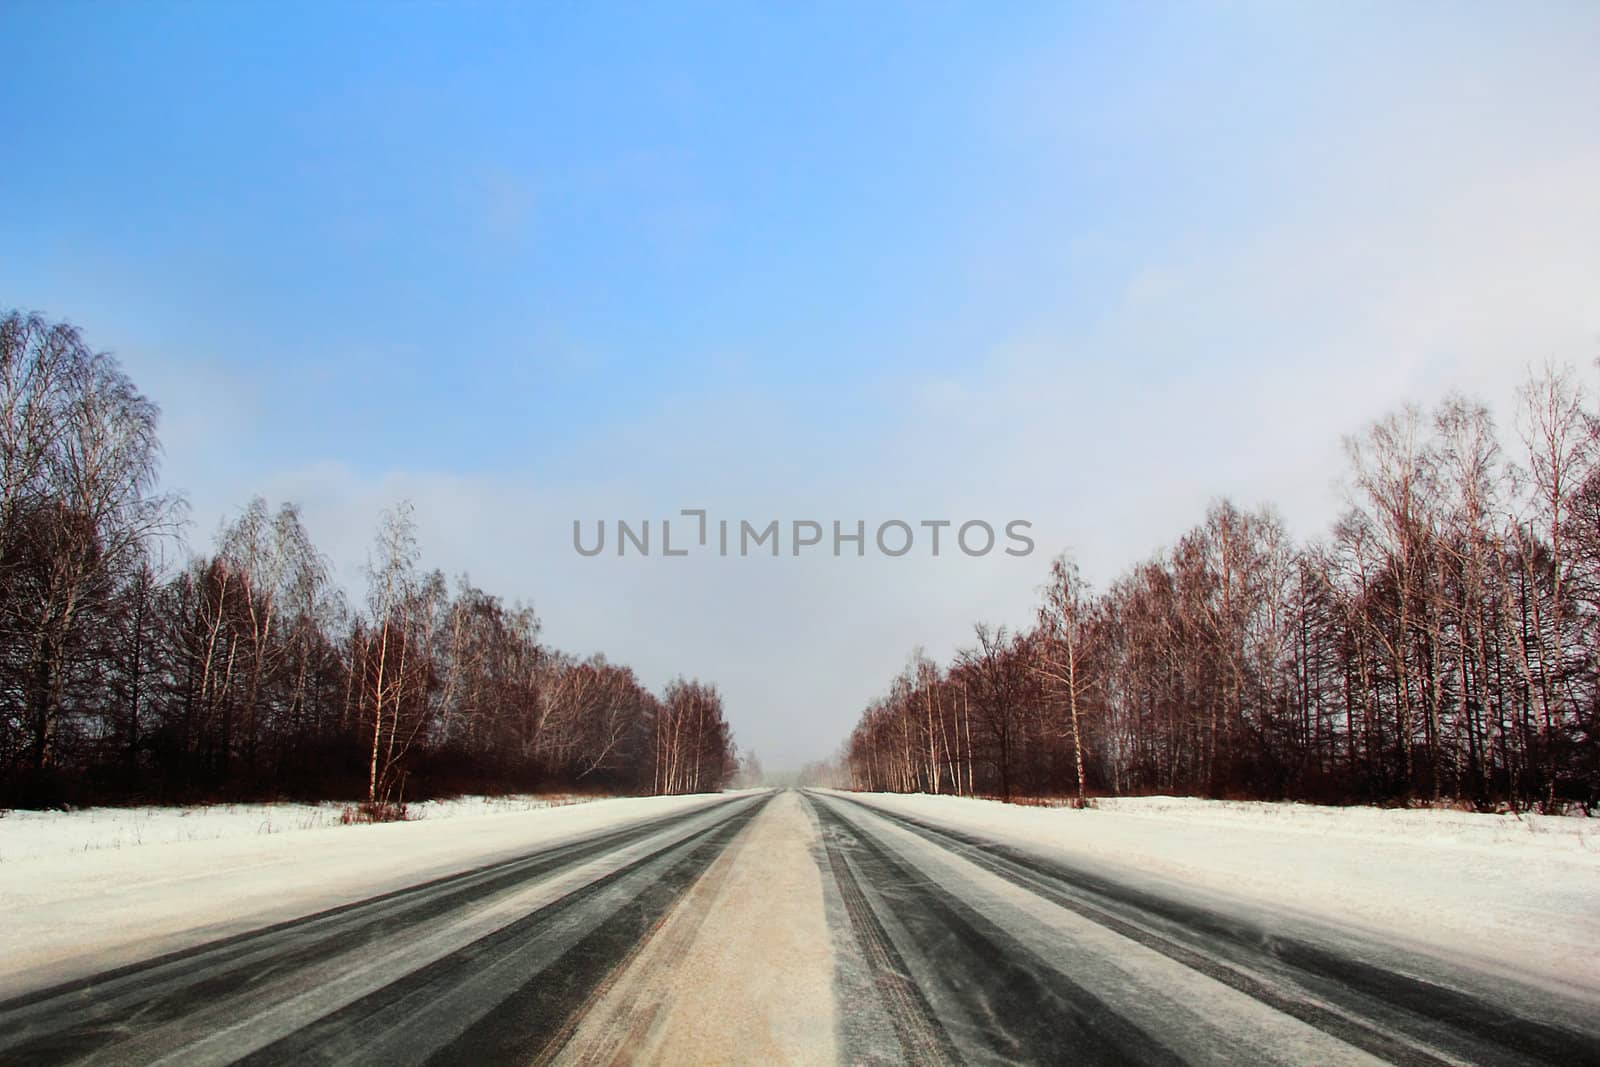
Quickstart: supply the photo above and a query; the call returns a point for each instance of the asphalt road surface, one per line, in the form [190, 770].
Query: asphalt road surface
[794, 927]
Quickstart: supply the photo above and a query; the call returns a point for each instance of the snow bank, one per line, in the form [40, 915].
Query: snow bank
[1439, 827]
[1520, 895]
[26, 835]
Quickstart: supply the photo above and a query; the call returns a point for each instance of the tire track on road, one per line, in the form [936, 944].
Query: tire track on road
[994, 997]
[510, 996]
[620, 1026]
[114, 1015]
[922, 1038]
[742, 971]
[1386, 1013]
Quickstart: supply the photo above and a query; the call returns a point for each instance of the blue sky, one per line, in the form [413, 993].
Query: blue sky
[1086, 264]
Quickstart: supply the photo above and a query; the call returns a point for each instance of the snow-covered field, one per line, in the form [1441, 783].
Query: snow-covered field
[1517, 894]
[27, 835]
[87, 890]
[1432, 826]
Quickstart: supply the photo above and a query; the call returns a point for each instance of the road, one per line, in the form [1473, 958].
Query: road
[793, 927]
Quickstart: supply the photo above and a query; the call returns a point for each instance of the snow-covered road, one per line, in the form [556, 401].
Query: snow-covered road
[486, 966]
[989, 947]
[818, 927]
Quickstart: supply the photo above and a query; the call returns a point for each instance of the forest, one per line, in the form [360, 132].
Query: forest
[245, 671]
[1438, 644]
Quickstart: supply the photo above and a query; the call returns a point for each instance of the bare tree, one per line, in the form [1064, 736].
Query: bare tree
[391, 578]
[1064, 622]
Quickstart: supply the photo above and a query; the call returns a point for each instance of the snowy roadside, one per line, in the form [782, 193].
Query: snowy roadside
[1520, 896]
[29, 835]
[1445, 828]
[72, 910]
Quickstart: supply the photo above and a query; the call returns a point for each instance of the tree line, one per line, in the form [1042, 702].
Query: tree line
[1441, 642]
[245, 671]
